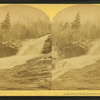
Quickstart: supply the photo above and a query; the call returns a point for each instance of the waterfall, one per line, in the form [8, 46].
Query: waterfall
[95, 50]
[34, 47]
[29, 50]
[65, 65]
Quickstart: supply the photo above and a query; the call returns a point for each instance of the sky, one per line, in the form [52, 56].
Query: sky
[50, 9]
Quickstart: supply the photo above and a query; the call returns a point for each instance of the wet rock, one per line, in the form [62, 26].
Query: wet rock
[36, 73]
[86, 78]
[47, 45]
[7, 50]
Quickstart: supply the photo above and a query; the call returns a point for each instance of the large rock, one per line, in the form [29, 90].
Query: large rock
[47, 45]
[35, 74]
[7, 50]
[86, 78]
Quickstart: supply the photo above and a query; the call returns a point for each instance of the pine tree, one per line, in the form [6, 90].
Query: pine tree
[75, 25]
[5, 25]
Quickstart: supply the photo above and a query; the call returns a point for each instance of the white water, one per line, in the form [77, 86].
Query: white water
[65, 65]
[29, 50]
[95, 50]
[34, 47]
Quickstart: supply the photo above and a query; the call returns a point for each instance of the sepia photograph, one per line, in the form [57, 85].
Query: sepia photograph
[49, 49]
[76, 48]
[25, 48]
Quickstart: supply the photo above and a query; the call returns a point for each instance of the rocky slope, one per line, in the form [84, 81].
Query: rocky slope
[34, 74]
[86, 78]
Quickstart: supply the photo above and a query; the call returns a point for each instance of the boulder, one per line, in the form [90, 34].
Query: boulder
[47, 48]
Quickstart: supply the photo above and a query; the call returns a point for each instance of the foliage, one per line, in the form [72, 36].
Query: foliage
[5, 25]
[15, 31]
[75, 33]
[75, 25]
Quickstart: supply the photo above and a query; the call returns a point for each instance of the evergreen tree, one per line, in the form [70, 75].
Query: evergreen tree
[75, 25]
[5, 25]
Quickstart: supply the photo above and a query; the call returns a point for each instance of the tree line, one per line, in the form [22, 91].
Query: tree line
[69, 35]
[18, 30]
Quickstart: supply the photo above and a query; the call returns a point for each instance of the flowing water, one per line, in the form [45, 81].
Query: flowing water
[30, 50]
[33, 47]
[64, 65]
